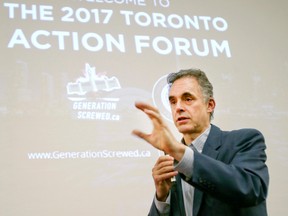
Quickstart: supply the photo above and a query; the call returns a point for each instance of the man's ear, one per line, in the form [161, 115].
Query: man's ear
[211, 105]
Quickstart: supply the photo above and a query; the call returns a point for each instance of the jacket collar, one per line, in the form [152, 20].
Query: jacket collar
[213, 142]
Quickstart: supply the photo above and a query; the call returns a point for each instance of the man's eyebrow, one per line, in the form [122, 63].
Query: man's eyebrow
[187, 94]
[171, 97]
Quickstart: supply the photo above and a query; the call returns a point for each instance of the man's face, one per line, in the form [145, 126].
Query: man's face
[191, 114]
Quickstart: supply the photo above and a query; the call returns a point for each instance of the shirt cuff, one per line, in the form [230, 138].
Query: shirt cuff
[185, 165]
[163, 207]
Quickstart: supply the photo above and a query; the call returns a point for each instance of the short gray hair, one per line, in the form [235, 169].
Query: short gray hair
[204, 83]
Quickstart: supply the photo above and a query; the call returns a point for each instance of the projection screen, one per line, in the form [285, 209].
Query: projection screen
[71, 72]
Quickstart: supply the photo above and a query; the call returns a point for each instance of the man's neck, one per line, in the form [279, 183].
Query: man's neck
[189, 138]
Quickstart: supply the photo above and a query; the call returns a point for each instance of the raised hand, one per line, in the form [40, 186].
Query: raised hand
[160, 137]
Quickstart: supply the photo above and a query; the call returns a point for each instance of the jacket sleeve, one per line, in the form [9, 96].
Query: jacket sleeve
[153, 210]
[176, 200]
[237, 173]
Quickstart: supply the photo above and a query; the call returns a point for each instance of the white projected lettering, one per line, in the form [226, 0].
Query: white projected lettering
[85, 89]
[179, 46]
[94, 43]
[156, 3]
[104, 116]
[56, 155]
[176, 21]
[134, 2]
[90, 41]
[41, 12]
[94, 105]
[86, 113]
[84, 15]
[103, 41]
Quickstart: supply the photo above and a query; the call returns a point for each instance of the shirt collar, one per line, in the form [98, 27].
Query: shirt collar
[199, 142]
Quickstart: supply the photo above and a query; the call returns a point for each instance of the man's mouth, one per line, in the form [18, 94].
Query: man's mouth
[181, 119]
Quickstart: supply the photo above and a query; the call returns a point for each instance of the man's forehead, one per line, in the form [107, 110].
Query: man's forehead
[183, 86]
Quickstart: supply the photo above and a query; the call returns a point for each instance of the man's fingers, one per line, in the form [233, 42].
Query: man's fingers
[164, 176]
[152, 112]
[164, 168]
[154, 116]
[142, 106]
[140, 134]
[165, 159]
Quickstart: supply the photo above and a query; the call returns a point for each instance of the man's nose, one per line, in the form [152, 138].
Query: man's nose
[179, 107]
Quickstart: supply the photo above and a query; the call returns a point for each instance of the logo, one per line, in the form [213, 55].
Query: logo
[160, 98]
[89, 83]
[90, 96]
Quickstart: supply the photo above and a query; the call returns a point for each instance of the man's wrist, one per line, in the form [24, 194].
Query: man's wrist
[185, 166]
[178, 152]
[163, 207]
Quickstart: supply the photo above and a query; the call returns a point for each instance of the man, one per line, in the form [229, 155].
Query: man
[217, 172]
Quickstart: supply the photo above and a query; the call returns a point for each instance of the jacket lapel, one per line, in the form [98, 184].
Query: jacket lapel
[179, 198]
[210, 149]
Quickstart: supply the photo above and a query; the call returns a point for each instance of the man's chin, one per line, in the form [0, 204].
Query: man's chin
[184, 129]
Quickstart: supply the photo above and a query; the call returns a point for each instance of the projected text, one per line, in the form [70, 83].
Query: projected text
[99, 40]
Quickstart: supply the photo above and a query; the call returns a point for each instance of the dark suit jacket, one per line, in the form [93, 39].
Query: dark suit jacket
[230, 176]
